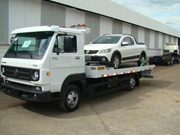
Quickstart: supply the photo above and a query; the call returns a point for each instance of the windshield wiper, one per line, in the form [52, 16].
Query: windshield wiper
[15, 54]
[29, 52]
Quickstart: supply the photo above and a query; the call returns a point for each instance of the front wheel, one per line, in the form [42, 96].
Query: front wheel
[115, 61]
[70, 99]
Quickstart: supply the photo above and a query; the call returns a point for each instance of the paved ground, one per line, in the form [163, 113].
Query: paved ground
[151, 109]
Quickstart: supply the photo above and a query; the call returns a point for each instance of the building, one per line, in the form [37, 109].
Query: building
[102, 16]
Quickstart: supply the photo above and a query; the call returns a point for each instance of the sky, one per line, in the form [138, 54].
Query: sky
[165, 11]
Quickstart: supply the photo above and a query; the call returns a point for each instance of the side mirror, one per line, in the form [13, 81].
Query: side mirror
[12, 39]
[58, 51]
[124, 43]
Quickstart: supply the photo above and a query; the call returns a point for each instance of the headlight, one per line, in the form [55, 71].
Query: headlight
[35, 75]
[105, 51]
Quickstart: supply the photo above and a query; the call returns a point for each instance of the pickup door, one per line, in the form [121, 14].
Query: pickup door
[129, 51]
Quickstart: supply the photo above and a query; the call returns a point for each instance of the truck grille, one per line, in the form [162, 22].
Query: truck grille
[20, 73]
[91, 51]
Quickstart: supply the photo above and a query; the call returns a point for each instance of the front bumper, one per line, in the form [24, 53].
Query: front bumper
[99, 59]
[26, 94]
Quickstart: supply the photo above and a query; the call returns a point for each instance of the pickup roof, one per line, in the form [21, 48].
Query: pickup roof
[114, 49]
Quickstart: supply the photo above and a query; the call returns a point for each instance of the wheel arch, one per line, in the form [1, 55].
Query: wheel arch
[78, 80]
[117, 52]
[144, 53]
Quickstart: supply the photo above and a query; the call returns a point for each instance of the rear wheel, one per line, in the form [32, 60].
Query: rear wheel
[132, 82]
[70, 99]
[177, 61]
[171, 61]
[141, 59]
[167, 61]
[115, 61]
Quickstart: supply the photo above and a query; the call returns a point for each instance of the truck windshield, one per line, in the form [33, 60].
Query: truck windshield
[107, 40]
[29, 45]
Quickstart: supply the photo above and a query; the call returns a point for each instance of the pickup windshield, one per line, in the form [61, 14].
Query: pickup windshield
[29, 45]
[107, 40]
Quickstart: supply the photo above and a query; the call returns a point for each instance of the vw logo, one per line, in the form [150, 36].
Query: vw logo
[87, 51]
[15, 72]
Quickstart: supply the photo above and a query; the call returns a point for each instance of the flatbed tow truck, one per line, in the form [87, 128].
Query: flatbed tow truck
[59, 72]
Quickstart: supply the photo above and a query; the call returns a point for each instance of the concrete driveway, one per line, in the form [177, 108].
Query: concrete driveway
[151, 109]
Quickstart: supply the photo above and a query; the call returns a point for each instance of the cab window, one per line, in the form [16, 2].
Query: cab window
[65, 44]
[129, 40]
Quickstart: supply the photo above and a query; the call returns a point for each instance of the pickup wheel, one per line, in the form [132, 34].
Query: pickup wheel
[132, 82]
[142, 58]
[115, 61]
[70, 99]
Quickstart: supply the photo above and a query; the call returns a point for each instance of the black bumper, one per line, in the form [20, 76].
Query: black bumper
[25, 94]
[99, 59]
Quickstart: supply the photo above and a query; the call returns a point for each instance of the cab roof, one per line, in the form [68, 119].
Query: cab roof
[54, 28]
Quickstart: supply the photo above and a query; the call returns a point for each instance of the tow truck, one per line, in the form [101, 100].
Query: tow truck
[47, 63]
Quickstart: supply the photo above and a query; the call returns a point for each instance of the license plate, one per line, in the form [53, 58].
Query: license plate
[87, 57]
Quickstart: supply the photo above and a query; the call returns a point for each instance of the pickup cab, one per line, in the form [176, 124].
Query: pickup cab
[114, 49]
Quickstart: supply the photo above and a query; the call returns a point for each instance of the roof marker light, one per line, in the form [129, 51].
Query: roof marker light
[73, 26]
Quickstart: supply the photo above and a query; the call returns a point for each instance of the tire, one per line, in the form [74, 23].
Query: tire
[177, 61]
[70, 99]
[115, 61]
[151, 60]
[167, 61]
[171, 61]
[142, 57]
[132, 83]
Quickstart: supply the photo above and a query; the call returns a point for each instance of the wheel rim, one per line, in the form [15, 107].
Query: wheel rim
[142, 58]
[72, 99]
[116, 62]
[132, 82]
[169, 62]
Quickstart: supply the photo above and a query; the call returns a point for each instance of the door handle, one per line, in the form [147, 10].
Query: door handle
[77, 57]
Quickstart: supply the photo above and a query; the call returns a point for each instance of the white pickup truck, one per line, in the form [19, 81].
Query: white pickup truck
[114, 49]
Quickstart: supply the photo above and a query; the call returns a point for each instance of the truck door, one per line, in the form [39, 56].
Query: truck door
[64, 60]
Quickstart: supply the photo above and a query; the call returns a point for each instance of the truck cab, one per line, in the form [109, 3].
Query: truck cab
[42, 60]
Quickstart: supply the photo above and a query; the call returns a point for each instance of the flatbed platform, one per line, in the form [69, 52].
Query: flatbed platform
[103, 71]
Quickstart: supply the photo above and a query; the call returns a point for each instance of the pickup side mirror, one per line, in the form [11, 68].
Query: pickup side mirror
[124, 43]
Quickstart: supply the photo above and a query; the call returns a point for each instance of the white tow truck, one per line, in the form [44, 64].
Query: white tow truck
[47, 63]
